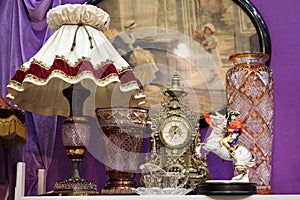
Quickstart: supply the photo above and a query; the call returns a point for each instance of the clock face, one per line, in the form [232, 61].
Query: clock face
[175, 132]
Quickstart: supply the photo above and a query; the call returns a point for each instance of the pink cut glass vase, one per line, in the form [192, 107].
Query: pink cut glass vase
[123, 130]
[249, 90]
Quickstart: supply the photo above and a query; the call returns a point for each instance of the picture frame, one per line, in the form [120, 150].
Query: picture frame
[164, 25]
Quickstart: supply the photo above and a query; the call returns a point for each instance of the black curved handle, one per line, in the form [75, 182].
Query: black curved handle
[92, 2]
[260, 25]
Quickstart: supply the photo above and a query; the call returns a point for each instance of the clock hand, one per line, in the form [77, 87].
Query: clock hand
[176, 129]
[174, 132]
[175, 136]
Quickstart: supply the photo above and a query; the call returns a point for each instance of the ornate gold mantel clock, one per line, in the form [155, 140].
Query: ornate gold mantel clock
[175, 132]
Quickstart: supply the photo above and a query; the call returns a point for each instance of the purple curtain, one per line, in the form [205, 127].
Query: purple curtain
[23, 31]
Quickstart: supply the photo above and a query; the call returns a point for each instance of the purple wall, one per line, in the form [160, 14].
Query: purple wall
[283, 21]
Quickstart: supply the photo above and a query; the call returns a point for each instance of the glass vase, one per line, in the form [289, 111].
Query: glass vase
[123, 130]
[249, 90]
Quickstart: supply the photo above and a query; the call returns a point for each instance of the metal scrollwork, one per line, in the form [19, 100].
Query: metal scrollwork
[183, 158]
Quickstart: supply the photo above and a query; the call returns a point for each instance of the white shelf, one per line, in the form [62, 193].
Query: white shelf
[20, 191]
[165, 197]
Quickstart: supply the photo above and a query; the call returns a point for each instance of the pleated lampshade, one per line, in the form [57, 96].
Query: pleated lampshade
[77, 51]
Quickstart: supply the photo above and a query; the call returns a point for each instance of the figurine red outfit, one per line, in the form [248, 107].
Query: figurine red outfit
[234, 130]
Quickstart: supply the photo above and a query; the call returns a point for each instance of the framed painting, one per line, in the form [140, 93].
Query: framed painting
[192, 38]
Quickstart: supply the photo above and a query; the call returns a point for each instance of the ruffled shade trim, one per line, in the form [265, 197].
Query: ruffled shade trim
[102, 75]
[35, 89]
[77, 13]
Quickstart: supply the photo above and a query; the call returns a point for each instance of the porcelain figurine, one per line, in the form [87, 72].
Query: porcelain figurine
[223, 141]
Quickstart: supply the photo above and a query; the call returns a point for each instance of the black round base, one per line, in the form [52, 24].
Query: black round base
[227, 188]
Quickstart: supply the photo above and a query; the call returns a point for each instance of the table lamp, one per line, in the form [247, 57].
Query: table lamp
[75, 71]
